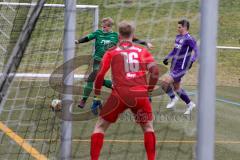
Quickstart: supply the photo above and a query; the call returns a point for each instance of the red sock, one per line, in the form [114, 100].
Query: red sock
[150, 145]
[96, 145]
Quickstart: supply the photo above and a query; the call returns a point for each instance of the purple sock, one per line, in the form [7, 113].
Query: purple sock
[170, 93]
[183, 95]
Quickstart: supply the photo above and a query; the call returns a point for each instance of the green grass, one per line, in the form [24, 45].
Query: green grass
[169, 125]
[154, 23]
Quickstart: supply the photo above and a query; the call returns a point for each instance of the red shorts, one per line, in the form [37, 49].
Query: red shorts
[115, 105]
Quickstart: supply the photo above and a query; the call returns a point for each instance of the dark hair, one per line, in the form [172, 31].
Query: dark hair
[126, 29]
[184, 23]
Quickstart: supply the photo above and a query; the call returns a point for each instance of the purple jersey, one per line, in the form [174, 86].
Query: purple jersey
[181, 53]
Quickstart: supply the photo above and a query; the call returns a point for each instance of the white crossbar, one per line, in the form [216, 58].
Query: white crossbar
[48, 5]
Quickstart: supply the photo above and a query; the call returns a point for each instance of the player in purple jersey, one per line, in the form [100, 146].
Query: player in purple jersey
[182, 60]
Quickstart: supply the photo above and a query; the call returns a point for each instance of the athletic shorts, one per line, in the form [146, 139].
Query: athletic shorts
[115, 105]
[177, 77]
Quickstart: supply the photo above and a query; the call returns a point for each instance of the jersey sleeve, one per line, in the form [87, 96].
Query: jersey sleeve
[148, 59]
[104, 67]
[193, 44]
[153, 70]
[170, 54]
[92, 35]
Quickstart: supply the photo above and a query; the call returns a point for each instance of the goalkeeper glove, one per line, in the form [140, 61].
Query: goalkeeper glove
[149, 45]
[95, 105]
[76, 41]
[165, 61]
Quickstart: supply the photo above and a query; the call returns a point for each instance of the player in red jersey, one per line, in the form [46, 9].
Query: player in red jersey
[129, 65]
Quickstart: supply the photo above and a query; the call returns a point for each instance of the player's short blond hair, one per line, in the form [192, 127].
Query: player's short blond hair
[126, 29]
[108, 21]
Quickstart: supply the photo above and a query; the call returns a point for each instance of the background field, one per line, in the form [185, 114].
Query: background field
[25, 109]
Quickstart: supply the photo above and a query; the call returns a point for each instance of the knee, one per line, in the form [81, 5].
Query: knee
[92, 76]
[166, 79]
[98, 130]
[165, 84]
[101, 126]
[176, 87]
[147, 127]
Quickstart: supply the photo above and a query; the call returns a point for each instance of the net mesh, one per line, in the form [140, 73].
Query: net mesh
[12, 19]
[25, 109]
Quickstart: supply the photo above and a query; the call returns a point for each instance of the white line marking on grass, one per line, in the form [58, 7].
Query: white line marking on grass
[80, 76]
[138, 141]
[218, 99]
[227, 101]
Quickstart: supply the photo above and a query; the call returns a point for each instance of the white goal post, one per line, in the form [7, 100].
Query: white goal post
[67, 37]
[94, 10]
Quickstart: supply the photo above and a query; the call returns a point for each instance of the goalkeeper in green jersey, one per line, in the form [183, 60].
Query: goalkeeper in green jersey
[105, 38]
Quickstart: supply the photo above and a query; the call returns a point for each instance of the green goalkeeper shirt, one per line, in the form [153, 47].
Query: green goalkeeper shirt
[103, 41]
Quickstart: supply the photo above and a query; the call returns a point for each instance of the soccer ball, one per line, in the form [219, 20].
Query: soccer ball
[56, 105]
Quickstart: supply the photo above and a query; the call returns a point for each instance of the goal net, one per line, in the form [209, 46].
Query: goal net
[25, 107]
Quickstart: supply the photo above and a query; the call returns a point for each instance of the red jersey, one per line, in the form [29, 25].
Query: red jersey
[129, 65]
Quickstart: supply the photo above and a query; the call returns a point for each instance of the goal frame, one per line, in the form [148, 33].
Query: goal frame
[70, 9]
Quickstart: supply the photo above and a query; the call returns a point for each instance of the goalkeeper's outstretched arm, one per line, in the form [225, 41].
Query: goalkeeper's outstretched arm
[136, 40]
[82, 40]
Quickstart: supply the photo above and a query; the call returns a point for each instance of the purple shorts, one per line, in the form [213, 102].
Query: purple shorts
[177, 76]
